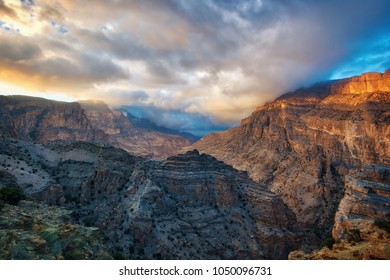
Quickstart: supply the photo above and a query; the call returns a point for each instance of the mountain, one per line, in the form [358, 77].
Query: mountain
[324, 149]
[189, 206]
[311, 168]
[125, 132]
[40, 120]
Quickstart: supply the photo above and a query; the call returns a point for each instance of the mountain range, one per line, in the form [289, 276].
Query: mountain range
[309, 169]
[40, 120]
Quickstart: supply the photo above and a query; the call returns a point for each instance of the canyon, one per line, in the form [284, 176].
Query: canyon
[311, 166]
[188, 206]
[325, 150]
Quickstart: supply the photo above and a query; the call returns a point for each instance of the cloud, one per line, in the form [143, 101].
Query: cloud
[194, 123]
[18, 51]
[216, 58]
[6, 11]
[38, 67]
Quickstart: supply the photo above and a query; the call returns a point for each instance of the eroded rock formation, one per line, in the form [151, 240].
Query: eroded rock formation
[40, 120]
[189, 206]
[305, 144]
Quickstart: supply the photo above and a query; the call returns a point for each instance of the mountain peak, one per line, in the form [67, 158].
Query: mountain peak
[369, 82]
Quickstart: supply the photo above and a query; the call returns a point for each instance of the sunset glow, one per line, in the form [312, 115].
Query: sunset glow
[213, 59]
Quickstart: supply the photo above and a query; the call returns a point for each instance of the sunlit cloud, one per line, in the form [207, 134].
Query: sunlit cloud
[215, 59]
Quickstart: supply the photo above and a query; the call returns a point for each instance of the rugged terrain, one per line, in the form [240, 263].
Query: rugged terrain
[32, 231]
[310, 168]
[41, 121]
[323, 149]
[372, 243]
[189, 206]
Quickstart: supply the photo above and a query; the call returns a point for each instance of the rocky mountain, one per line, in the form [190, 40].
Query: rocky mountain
[125, 132]
[189, 206]
[323, 149]
[40, 120]
[310, 168]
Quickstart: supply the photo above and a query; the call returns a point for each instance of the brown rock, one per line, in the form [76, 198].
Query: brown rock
[302, 145]
[43, 121]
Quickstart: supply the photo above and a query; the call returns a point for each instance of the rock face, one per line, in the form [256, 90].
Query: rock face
[189, 206]
[367, 197]
[304, 144]
[373, 244]
[42, 121]
[199, 202]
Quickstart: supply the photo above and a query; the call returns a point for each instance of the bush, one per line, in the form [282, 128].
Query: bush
[117, 255]
[383, 224]
[318, 231]
[329, 242]
[89, 220]
[1, 205]
[354, 235]
[12, 194]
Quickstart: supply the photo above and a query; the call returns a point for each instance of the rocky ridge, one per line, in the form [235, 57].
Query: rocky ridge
[306, 145]
[189, 206]
[374, 245]
[41, 121]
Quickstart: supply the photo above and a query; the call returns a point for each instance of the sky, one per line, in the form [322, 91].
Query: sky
[191, 65]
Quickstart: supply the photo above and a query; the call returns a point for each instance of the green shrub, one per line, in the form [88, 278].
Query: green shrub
[329, 242]
[12, 194]
[383, 224]
[118, 255]
[89, 220]
[1, 205]
[354, 235]
[318, 231]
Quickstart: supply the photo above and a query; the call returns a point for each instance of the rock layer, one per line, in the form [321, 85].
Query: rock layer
[302, 145]
[40, 120]
[189, 206]
[367, 197]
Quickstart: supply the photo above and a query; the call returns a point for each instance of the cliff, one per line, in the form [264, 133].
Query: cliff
[41, 121]
[189, 206]
[305, 144]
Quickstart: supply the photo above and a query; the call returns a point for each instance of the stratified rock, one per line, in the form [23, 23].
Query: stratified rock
[193, 206]
[367, 197]
[43, 121]
[137, 141]
[189, 206]
[302, 145]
